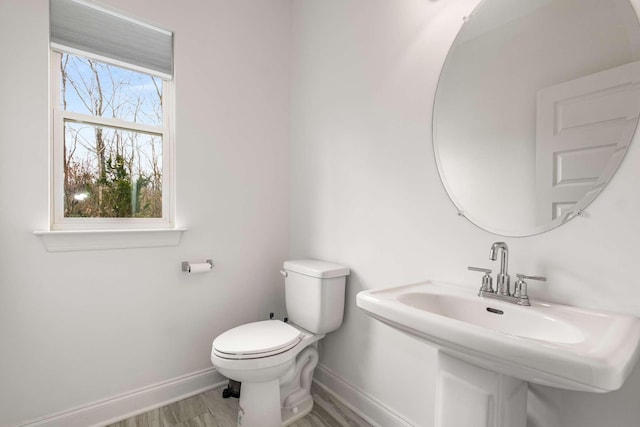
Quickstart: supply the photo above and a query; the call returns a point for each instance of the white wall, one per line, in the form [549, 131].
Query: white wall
[83, 326]
[366, 193]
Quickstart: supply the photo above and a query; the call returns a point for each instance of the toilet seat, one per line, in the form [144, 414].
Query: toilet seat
[256, 340]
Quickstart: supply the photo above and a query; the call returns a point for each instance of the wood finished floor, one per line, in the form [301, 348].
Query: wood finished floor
[209, 409]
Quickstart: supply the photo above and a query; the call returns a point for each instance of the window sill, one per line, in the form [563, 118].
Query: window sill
[91, 240]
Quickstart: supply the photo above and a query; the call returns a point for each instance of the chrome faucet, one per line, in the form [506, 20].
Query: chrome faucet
[502, 279]
[502, 292]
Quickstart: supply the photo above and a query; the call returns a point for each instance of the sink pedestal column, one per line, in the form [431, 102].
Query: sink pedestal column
[469, 396]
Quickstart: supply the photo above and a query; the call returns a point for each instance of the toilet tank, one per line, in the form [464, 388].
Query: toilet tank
[314, 292]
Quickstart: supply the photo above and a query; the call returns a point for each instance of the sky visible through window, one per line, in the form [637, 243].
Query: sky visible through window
[105, 90]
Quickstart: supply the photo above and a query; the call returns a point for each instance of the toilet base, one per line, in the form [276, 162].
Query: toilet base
[295, 386]
[282, 400]
[292, 414]
[260, 404]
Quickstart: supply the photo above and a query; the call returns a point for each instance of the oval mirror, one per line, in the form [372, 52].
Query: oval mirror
[536, 105]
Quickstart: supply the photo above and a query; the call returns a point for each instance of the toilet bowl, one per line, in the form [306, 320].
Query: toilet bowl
[274, 360]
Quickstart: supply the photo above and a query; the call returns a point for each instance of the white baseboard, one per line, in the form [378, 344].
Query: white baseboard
[136, 402]
[367, 407]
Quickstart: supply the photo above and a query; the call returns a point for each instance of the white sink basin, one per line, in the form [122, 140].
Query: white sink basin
[549, 344]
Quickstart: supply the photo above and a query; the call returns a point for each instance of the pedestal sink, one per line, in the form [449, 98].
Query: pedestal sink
[489, 350]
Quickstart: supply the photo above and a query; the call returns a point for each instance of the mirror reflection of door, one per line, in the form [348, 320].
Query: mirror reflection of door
[583, 129]
[534, 110]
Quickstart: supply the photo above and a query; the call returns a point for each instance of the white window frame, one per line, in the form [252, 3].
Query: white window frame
[58, 118]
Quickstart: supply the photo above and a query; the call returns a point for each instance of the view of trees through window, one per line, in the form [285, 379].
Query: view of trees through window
[113, 131]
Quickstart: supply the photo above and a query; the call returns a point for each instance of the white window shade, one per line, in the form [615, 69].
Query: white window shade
[87, 29]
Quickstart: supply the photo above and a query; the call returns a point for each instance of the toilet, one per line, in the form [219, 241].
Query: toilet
[274, 360]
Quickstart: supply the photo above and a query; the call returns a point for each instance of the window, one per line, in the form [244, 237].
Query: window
[111, 120]
[110, 134]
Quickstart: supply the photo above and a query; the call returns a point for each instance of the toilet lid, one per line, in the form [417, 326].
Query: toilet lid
[257, 338]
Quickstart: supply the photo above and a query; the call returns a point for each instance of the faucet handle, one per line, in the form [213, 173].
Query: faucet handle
[487, 281]
[524, 276]
[520, 288]
[482, 270]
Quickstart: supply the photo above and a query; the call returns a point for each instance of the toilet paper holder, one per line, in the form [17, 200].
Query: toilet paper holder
[186, 265]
